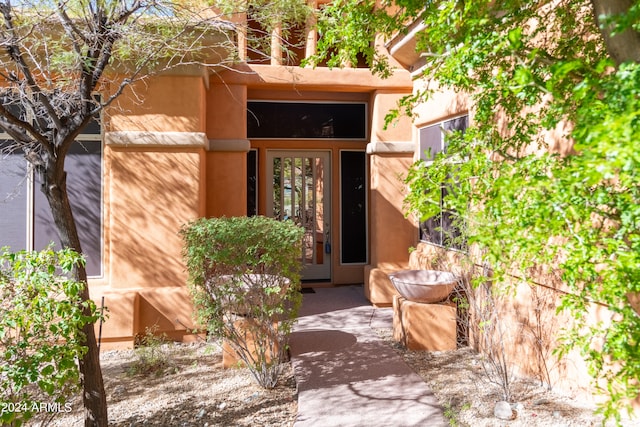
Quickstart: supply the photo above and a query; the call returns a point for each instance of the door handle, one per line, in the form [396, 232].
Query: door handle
[327, 242]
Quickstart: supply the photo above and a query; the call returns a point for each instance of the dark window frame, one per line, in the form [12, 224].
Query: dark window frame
[441, 229]
[252, 182]
[38, 216]
[325, 120]
[349, 235]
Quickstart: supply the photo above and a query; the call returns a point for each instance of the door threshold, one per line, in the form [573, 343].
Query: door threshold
[326, 283]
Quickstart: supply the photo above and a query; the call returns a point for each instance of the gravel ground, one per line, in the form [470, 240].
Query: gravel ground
[189, 388]
[461, 386]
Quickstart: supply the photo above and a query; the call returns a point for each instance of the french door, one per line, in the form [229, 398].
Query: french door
[298, 189]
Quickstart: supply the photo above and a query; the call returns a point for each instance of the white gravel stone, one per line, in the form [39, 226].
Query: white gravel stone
[503, 411]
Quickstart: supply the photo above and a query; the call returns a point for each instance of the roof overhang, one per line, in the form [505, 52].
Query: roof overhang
[403, 47]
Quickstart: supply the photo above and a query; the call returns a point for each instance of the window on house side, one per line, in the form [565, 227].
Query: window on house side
[25, 217]
[441, 229]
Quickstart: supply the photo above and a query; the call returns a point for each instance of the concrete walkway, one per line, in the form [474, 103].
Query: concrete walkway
[346, 375]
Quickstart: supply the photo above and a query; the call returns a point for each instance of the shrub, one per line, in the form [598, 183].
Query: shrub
[41, 339]
[245, 280]
[152, 354]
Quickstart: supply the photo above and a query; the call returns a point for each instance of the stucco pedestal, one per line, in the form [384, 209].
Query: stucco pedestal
[418, 326]
[247, 328]
[378, 288]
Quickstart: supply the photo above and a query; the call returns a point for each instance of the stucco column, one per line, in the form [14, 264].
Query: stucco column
[152, 187]
[312, 33]
[226, 177]
[276, 45]
[227, 147]
[391, 233]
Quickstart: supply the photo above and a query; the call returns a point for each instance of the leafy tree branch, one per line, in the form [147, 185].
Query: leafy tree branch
[550, 180]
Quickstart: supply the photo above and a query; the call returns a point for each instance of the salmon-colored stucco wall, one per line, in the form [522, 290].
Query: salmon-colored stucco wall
[391, 232]
[226, 170]
[352, 80]
[397, 131]
[153, 193]
[154, 182]
[150, 193]
[226, 111]
[226, 184]
[440, 106]
[164, 103]
[121, 324]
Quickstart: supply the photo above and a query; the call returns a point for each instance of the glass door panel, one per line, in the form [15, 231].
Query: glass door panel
[296, 184]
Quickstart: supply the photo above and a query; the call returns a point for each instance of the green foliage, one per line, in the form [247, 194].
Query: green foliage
[152, 357]
[41, 320]
[245, 280]
[347, 30]
[577, 213]
[288, 18]
[531, 205]
[268, 13]
[452, 412]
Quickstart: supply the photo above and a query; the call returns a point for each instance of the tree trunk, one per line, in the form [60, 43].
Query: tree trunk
[622, 47]
[93, 396]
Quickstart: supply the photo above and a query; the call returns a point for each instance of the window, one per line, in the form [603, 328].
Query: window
[442, 229]
[252, 183]
[305, 120]
[25, 217]
[353, 212]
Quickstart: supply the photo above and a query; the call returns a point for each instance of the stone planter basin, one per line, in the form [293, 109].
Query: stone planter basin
[247, 291]
[424, 286]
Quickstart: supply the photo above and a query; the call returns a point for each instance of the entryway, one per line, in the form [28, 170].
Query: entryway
[301, 193]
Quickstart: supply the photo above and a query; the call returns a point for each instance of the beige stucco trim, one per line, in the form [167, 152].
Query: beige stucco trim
[155, 139]
[403, 48]
[390, 147]
[229, 145]
[258, 76]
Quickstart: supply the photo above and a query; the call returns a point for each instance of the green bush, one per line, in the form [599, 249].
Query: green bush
[152, 354]
[41, 339]
[245, 281]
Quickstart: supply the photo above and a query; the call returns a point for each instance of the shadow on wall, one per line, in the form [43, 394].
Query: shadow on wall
[392, 232]
[534, 313]
[152, 194]
[130, 314]
[169, 309]
[522, 325]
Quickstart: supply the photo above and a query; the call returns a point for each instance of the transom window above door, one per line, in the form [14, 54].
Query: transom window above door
[307, 120]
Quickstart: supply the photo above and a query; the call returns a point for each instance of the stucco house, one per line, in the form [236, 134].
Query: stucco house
[266, 138]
